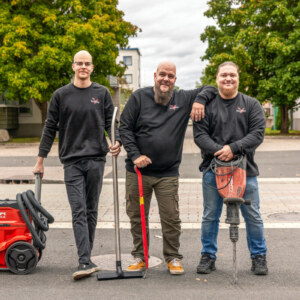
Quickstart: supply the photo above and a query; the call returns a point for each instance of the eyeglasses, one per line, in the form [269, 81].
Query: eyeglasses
[81, 63]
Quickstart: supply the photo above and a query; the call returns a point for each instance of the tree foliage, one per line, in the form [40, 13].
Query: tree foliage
[263, 38]
[38, 39]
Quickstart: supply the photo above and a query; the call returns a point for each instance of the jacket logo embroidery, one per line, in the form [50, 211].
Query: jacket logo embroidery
[95, 101]
[241, 110]
[174, 107]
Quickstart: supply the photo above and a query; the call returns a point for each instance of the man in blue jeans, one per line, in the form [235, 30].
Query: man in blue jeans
[234, 124]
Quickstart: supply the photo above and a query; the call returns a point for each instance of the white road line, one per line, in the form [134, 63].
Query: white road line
[126, 225]
[199, 180]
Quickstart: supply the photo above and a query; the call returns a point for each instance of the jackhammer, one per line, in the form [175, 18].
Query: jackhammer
[233, 218]
[231, 184]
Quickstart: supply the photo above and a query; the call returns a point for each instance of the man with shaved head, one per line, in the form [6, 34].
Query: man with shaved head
[152, 130]
[81, 112]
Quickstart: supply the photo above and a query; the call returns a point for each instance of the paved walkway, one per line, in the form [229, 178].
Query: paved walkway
[55, 173]
[280, 197]
[280, 204]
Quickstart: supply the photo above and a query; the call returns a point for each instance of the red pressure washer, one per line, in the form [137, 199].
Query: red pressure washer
[231, 184]
[22, 225]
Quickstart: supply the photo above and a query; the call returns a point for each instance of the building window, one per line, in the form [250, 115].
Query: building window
[127, 60]
[128, 78]
[25, 107]
[25, 110]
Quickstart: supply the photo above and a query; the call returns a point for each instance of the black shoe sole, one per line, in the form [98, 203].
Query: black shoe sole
[206, 271]
[260, 272]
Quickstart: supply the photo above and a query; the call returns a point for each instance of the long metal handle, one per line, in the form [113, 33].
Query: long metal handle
[115, 186]
[38, 187]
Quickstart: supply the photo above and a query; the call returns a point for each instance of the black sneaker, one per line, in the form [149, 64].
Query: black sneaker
[206, 265]
[259, 265]
[84, 270]
[94, 266]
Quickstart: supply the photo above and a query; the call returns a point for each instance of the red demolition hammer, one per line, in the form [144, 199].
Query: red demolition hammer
[231, 183]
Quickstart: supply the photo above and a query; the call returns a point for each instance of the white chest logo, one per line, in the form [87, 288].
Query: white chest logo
[173, 107]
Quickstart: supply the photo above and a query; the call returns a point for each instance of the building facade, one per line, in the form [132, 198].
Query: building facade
[296, 117]
[131, 58]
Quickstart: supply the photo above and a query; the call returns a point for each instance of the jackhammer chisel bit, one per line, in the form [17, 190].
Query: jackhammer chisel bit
[233, 218]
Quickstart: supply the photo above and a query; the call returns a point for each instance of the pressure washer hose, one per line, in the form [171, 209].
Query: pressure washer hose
[40, 217]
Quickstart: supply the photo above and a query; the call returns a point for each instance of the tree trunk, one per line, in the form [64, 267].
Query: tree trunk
[284, 128]
[43, 108]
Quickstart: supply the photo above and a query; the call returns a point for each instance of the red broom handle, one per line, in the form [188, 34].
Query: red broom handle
[143, 220]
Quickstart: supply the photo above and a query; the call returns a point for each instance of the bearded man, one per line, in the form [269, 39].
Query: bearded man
[152, 130]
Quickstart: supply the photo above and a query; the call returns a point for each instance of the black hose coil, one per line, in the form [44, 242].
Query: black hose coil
[233, 164]
[40, 216]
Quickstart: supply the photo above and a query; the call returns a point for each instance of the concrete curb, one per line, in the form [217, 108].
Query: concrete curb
[184, 225]
[122, 180]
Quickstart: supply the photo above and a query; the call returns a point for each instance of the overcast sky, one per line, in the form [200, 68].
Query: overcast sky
[170, 31]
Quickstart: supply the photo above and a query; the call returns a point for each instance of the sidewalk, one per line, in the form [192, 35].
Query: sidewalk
[55, 173]
[280, 204]
[280, 197]
[271, 143]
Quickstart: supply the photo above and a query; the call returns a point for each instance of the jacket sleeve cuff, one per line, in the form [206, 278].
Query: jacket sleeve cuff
[235, 148]
[200, 100]
[135, 156]
[120, 142]
[43, 153]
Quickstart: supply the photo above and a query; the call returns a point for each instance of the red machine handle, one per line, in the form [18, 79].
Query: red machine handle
[142, 210]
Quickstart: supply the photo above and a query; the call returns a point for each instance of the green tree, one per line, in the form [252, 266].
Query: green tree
[263, 38]
[38, 39]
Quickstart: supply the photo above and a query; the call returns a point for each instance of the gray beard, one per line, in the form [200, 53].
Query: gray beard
[162, 98]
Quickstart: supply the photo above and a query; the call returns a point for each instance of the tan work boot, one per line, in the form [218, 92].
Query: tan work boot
[139, 265]
[175, 267]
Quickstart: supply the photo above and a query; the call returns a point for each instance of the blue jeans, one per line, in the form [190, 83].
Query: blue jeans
[213, 204]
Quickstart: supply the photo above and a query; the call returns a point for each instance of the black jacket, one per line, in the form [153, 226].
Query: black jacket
[81, 115]
[157, 131]
[239, 123]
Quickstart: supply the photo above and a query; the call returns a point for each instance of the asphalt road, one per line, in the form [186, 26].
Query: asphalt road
[52, 277]
[271, 164]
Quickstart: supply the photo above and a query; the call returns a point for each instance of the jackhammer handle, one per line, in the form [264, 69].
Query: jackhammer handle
[247, 202]
[38, 186]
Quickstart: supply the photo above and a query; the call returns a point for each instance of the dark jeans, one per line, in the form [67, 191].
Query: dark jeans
[84, 182]
[166, 192]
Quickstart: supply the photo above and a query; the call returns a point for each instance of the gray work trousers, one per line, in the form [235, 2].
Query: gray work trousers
[83, 183]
